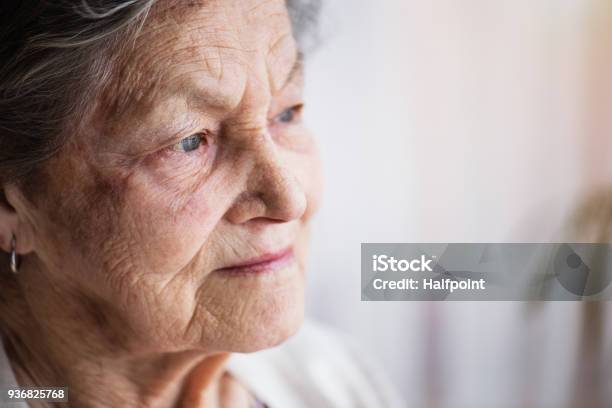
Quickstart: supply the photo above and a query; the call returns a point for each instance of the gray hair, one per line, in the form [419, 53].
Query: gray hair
[55, 54]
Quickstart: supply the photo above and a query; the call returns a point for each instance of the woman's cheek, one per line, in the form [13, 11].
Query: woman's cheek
[172, 223]
[314, 185]
[309, 171]
[175, 180]
[293, 137]
[179, 173]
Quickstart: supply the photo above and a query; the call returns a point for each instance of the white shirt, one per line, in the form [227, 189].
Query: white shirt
[314, 369]
[7, 380]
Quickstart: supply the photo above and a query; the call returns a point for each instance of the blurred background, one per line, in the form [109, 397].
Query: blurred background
[471, 121]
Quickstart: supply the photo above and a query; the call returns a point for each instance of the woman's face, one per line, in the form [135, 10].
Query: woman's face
[194, 161]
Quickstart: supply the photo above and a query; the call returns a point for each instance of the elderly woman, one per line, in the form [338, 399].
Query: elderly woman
[156, 187]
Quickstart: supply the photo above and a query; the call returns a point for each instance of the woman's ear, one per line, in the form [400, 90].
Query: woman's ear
[12, 220]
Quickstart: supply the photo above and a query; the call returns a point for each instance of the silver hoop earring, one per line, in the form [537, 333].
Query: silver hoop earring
[14, 258]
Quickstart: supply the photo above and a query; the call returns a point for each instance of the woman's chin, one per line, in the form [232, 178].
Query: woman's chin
[265, 309]
[269, 328]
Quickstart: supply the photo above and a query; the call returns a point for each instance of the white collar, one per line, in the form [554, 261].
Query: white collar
[7, 376]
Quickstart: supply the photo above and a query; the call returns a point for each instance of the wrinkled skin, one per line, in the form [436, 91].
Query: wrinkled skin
[122, 241]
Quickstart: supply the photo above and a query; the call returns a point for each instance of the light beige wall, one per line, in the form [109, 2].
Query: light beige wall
[472, 120]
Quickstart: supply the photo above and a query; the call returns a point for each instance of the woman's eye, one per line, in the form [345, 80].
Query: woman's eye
[189, 143]
[289, 115]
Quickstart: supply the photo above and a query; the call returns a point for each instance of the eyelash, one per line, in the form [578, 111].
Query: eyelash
[199, 138]
[294, 111]
[288, 116]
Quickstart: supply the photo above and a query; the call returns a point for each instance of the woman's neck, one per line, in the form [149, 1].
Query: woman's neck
[44, 354]
[184, 379]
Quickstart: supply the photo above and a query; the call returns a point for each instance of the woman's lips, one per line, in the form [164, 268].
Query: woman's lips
[264, 263]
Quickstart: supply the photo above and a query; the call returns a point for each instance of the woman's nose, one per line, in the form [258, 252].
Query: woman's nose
[273, 191]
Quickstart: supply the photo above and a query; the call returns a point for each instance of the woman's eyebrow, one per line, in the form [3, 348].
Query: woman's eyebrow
[218, 99]
[296, 70]
[137, 99]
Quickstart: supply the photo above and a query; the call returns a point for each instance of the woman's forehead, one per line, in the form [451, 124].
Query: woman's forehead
[219, 42]
[205, 28]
